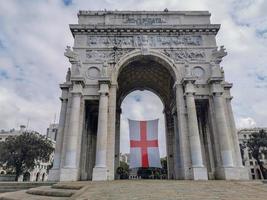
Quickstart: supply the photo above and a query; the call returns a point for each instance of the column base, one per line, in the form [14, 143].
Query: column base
[100, 174]
[54, 174]
[69, 174]
[232, 173]
[199, 173]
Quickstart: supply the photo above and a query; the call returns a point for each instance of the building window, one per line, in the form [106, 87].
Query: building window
[245, 136]
[253, 176]
[250, 156]
[252, 170]
[251, 163]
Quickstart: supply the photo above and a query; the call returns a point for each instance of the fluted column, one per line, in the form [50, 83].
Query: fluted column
[70, 168]
[54, 173]
[111, 131]
[234, 133]
[183, 132]
[199, 171]
[223, 130]
[117, 140]
[100, 169]
[195, 147]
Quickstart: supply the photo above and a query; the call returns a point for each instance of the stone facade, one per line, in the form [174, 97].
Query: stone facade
[248, 161]
[173, 54]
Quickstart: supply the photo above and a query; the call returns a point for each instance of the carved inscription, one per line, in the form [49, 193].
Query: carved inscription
[147, 21]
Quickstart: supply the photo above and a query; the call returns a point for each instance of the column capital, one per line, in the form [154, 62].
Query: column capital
[189, 87]
[104, 88]
[217, 89]
[77, 88]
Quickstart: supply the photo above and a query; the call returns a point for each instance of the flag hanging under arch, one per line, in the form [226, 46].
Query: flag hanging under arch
[144, 147]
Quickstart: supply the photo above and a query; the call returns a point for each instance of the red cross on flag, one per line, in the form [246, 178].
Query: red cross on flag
[144, 147]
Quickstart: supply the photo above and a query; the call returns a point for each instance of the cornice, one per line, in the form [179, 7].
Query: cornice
[128, 12]
[119, 29]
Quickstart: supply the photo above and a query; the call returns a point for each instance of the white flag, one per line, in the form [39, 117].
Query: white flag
[144, 147]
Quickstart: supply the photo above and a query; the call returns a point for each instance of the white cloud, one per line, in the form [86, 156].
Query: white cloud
[142, 105]
[246, 122]
[34, 34]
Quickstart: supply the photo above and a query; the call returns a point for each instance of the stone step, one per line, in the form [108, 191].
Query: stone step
[67, 186]
[22, 195]
[49, 191]
[15, 186]
[37, 184]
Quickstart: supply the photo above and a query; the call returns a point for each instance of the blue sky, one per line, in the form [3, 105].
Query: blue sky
[34, 34]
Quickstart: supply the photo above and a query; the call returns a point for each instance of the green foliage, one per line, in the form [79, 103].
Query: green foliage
[257, 144]
[22, 153]
[123, 170]
[163, 162]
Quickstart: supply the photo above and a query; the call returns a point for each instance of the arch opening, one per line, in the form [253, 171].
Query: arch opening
[149, 77]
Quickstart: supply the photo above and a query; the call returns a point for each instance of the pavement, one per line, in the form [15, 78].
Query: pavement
[146, 190]
[173, 190]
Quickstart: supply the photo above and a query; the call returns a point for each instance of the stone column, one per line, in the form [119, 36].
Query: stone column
[117, 140]
[176, 149]
[100, 169]
[111, 132]
[169, 142]
[70, 170]
[223, 130]
[198, 170]
[54, 173]
[183, 132]
[238, 158]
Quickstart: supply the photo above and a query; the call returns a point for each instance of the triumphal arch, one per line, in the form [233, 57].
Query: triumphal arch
[171, 53]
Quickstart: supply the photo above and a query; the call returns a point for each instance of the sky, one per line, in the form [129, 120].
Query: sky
[34, 34]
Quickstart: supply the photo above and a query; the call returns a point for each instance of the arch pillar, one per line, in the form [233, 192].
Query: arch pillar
[100, 171]
[199, 171]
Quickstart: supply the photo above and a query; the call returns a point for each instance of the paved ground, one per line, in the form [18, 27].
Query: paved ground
[172, 190]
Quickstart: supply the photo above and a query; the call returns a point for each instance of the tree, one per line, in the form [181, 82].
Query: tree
[123, 170]
[257, 145]
[22, 153]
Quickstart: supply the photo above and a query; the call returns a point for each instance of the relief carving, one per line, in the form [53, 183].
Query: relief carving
[98, 56]
[182, 54]
[102, 55]
[138, 41]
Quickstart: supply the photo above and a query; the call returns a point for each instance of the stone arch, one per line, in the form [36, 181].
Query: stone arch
[165, 69]
[154, 72]
[156, 55]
